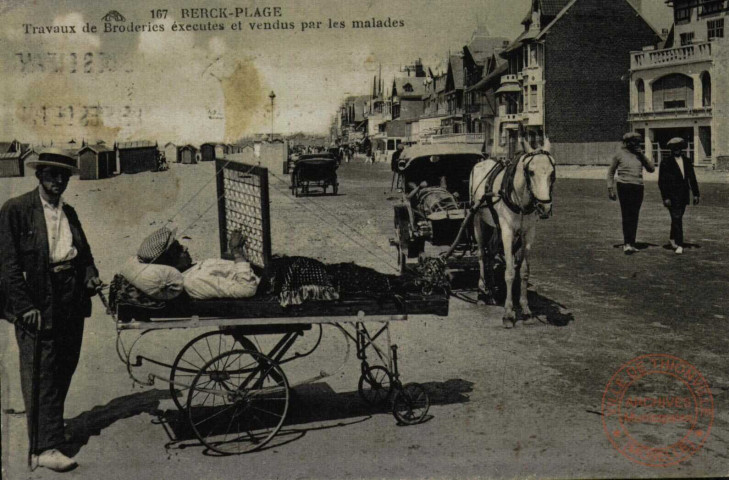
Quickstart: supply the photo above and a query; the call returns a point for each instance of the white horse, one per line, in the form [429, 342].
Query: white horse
[515, 195]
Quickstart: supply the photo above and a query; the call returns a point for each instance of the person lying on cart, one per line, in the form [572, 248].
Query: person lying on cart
[163, 267]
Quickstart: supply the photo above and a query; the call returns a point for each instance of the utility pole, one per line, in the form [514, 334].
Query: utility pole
[272, 96]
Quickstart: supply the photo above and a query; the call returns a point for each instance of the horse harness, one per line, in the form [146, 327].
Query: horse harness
[507, 185]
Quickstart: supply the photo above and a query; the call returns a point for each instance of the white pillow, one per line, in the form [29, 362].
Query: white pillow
[160, 282]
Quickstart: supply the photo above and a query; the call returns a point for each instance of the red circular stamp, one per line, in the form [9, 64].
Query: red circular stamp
[657, 410]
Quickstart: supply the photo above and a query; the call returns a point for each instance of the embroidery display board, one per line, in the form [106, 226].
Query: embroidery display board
[243, 204]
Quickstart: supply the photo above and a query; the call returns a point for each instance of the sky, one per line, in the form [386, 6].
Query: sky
[215, 85]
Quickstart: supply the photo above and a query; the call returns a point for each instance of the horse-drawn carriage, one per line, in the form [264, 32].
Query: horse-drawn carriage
[435, 200]
[317, 170]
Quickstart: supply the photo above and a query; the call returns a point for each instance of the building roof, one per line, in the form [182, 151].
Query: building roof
[98, 148]
[501, 67]
[5, 147]
[482, 47]
[9, 155]
[188, 147]
[136, 144]
[551, 8]
[409, 87]
[455, 67]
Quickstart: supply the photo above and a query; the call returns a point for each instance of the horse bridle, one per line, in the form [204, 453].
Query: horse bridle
[527, 159]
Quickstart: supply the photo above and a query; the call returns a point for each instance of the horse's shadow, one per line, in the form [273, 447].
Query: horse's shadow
[544, 309]
[639, 245]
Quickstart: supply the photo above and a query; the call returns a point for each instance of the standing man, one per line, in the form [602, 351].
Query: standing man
[629, 163]
[393, 166]
[675, 178]
[47, 273]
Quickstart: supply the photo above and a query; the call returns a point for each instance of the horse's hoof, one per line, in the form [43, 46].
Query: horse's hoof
[508, 322]
[530, 319]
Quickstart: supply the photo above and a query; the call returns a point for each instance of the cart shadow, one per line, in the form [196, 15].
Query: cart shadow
[318, 407]
[88, 424]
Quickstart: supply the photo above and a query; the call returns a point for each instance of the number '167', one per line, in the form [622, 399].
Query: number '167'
[159, 13]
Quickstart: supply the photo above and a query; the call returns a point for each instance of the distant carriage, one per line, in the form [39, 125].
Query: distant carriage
[435, 200]
[318, 170]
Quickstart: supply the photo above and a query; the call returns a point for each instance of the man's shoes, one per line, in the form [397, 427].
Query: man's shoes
[679, 251]
[673, 244]
[53, 460]
[629, 249]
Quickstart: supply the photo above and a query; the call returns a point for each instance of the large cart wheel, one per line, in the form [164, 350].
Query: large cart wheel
[198, 352]
[375, 385]
[236, 404]
[410, 404]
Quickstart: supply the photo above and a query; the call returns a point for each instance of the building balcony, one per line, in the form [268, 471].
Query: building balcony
[509, 79]
[511, 118]
[700, 52]
[671, 114]
[533, 118]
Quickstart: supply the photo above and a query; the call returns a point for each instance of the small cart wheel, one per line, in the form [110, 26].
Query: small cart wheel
[196, 353]
[410, 404]
[375, 385]
[235, 404]
[402, 260]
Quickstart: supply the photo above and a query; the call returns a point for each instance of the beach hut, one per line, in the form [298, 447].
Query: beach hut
[137, 156]
[188, 154]
[96, 162]
[170, 150]
[207, 152]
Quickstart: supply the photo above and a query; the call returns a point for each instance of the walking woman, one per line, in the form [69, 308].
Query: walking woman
[629, 163]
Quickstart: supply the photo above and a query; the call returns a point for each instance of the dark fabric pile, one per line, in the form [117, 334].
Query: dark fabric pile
[298, 279]
[429, 276]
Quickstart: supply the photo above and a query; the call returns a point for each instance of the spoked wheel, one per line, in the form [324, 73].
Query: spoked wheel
[375, 385]
[410, 404]
[198, 352]
[235, 404]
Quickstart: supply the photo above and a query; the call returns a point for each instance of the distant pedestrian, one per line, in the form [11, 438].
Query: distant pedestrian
[676, 180]
[629, 163]
[396, 180]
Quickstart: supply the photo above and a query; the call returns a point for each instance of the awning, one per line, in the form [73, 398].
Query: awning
[509, 88]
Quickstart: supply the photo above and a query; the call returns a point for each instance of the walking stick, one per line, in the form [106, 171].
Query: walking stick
[392, 184]
[35, 395]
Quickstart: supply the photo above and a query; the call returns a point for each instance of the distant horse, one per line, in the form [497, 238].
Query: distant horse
[507, 198]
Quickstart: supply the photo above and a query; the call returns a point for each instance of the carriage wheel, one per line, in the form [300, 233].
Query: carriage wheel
[375, 385]
[196, 353]
[410, 404]
[235, 404]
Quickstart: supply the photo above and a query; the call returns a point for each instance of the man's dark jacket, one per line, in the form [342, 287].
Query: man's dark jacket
[673, 185]
[25, 275]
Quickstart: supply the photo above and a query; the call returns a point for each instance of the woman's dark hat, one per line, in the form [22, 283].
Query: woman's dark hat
[54, 157]
[676, 142]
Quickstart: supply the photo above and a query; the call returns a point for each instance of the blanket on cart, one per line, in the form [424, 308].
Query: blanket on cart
[297, 280]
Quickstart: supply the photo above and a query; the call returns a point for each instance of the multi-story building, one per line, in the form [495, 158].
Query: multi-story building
[567, 75]
[680, 90]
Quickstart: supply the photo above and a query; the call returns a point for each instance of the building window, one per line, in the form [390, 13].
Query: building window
[641, 95]
[673, 92]
[706, 89]
[533, 98]
[683, 14]
[712, 6]
[715, 28]
[687, 38]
